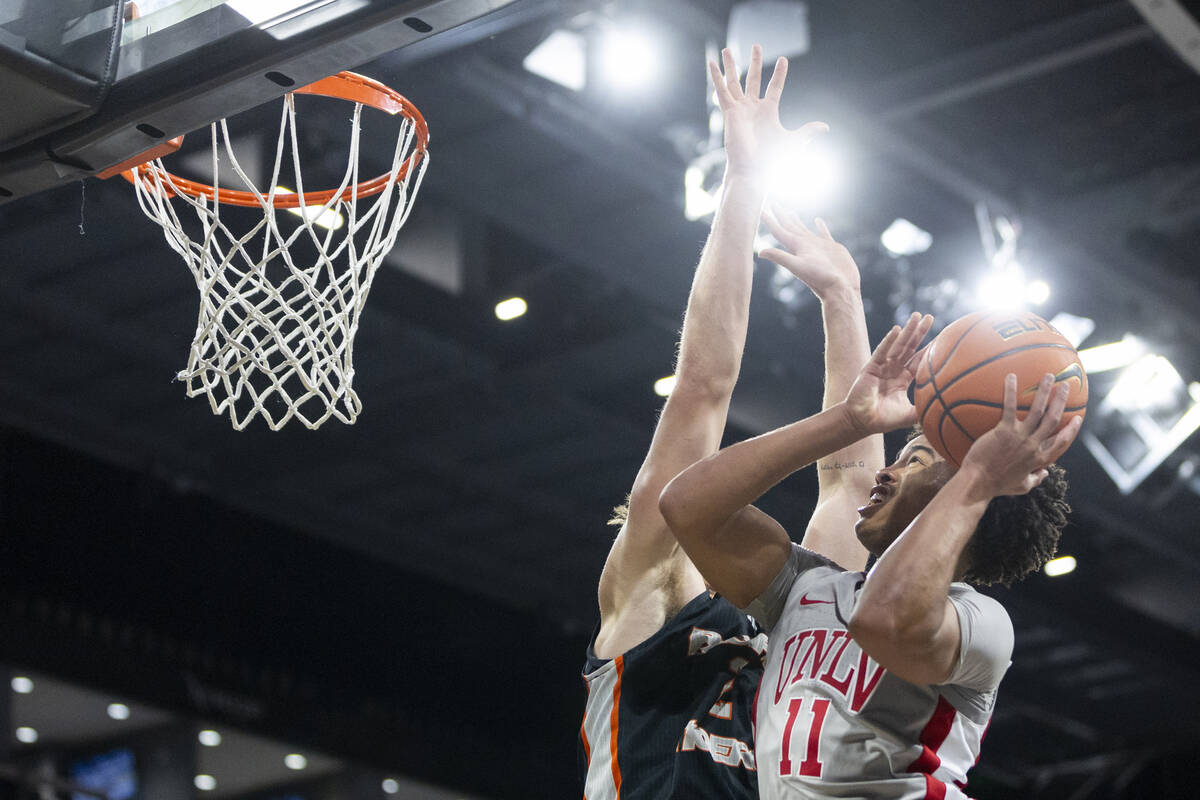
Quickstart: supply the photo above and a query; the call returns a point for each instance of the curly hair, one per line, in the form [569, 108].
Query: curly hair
[1017, 535]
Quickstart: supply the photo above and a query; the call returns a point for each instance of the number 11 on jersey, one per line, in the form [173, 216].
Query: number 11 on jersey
[811, 765]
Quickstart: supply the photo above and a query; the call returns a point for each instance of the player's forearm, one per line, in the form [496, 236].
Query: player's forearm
[904, 596]
[702, 498]
[714, 331]
[847, 348]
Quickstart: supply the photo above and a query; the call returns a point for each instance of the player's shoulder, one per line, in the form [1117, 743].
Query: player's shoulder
[965, 595]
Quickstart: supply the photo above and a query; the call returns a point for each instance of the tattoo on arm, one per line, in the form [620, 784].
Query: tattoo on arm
[840, 465]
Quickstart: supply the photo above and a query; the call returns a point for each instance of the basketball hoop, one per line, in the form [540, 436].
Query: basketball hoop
[275, 337]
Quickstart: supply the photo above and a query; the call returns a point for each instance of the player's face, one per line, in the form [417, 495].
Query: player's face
[902, 489]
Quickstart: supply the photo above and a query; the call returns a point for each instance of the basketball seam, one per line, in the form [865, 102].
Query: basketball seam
[989, 404]
[953, 349]
[998, 356]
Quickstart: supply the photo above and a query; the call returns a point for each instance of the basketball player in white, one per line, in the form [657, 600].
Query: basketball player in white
[880, 685]
[657, 723]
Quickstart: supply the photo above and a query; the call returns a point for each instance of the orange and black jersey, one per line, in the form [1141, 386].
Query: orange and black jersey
[671, 718]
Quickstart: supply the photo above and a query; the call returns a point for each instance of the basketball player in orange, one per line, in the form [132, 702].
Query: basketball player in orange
[880, 684]
[672, 669]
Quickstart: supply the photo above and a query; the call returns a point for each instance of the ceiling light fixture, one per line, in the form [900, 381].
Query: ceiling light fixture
[1113, 355]
[903, 238]
[629, 57]
[561, 58]
[510, 309]
[328, 218]
[1059, 566]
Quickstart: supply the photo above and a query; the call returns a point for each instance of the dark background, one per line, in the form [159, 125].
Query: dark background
[415, 592]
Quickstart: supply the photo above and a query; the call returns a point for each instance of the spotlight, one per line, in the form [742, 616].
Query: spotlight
[22, 685]
[805, 179]
[902, 238]
[26, 735]
[1002, 288]
[329, 219]
[209, 738]
[1113, 355]
[562, 58]
[510, 309]
[295, 761]
[1076, 329]
[390, 786]
[1037, 292]
[205, 783]
[1059, 566]
[628, 57]
[664, 386]
[118, 711]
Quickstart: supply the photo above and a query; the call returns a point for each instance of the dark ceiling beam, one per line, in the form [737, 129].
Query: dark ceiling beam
[573, 125]
[514, 15]
[1018, 58]
[937, 157]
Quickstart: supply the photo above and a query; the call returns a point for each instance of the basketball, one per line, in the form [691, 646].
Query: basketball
[959, 386]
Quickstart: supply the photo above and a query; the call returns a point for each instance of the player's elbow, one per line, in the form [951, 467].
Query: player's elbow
[906, 649]
[677, 505]
[880, 627]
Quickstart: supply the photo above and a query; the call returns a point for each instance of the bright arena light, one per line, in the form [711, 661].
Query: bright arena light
[1059, 566]
[561, 58]
[510, 309]
[390, 786]
[663, 386]
[902, 238]
[1037, 292]
[1002, 288]
[329, 219]
[21, 684]
[1074, 327]
[118, 711]
[209, 738]
[295, 761]
[1114, 355]
[628, 57]
[205, 783]
[806, 178]
[26, 735]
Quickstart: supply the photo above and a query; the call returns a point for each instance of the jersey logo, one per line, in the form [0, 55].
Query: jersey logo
[804, 601]
[723, 749]
[825, 655]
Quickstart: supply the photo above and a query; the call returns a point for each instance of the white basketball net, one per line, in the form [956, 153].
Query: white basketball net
[275, 336]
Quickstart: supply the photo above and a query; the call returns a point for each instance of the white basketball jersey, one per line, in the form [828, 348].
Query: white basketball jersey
[833, 723]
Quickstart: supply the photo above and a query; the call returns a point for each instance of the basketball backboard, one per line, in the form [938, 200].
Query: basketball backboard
[89, 84]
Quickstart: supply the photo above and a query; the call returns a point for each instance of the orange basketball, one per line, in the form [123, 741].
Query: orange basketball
[959, 388]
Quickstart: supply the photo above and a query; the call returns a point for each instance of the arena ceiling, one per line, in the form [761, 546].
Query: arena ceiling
[488, 455]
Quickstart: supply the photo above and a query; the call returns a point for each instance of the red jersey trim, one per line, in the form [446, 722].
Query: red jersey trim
[932, 737]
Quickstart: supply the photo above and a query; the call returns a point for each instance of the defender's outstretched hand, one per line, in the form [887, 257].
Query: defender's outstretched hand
[878, 401]
[818, 259]
[753, 132]
[1012, 457]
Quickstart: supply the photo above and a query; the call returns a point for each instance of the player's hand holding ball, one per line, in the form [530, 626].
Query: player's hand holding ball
[1011, 458]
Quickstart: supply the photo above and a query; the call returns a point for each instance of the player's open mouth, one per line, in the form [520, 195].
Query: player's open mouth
[879, 495]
